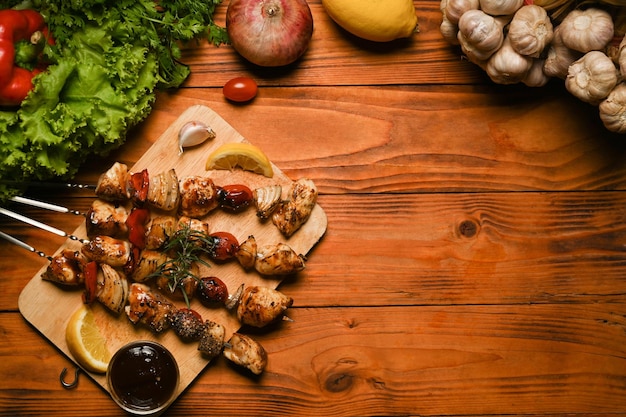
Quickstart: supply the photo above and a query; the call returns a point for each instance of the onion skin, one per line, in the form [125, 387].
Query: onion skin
[269, 33]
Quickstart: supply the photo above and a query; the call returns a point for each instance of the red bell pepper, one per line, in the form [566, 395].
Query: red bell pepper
[136, 223]
[91, 282]
[139, 184]
[16, 25]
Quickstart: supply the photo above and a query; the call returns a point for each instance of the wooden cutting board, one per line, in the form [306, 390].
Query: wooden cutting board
[48, 307]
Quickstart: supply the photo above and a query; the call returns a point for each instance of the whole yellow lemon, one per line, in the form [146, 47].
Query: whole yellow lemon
[374, 20]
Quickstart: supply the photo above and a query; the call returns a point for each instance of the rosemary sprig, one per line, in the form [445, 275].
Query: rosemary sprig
[188, 246]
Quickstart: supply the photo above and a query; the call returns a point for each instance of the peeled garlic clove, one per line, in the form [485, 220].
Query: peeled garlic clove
[267, 199]
[193, 133]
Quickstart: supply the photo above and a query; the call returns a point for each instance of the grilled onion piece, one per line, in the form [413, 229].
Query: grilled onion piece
[163, 192]
[112, 290]
[266, 199]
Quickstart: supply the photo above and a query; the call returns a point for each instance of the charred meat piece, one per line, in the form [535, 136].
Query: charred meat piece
[278, 259]
[161, 229]
[198, 196]
[292, 213]
[66, 268]
[112, 184]
[149, 308]
[163, 191]
[187, 324]
[247, 352]
[107, 250]
[260, 306]
[112, 289]
[212, 339]
[178, 289]
[107, 219]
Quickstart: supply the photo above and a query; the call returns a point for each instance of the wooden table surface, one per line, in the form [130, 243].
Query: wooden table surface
[474, 262]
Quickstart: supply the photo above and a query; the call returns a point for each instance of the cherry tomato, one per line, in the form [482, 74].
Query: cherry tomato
[240, 89]
[212, 291]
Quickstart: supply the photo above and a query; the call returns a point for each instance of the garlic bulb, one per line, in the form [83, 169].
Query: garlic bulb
[455, 9]
[559, 57]
[192, 134]
[621, 57]
[506, 66]
[530, 30]
[449, 31]
[592, 77]
[500, 7]
[535, 77]
[587, 30]
[480, 35]
[613, 110]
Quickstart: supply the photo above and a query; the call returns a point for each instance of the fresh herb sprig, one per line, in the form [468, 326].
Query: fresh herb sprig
[188, 246]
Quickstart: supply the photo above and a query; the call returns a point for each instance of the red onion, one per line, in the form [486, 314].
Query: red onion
[269, 33]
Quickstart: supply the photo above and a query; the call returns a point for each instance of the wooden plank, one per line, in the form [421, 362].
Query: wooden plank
[335, 57]
[429, 360]
[441, 249]
[48, 307]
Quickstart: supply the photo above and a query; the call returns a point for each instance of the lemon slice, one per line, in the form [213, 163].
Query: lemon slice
[85, 342]
[240, 155]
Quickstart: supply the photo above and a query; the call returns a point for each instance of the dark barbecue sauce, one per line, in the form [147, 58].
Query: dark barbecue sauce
[144, 376]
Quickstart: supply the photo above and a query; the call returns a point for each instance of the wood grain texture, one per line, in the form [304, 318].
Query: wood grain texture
[476, 360]
[473, 263]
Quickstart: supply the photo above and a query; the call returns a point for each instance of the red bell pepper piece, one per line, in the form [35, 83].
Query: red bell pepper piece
[136, 223]
[16, 25]
[139, 183]
[91, 282]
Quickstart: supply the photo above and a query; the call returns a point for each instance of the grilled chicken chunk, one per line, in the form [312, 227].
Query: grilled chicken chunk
[112, 184]
[149, 308]
[247, 352]
[105, 218]
[278, 259]
[292, 213]
[212, 339]
[260, 306]
[163, 192]
[66, 268]
[107, 250]
[160, 230]
[112, 290]
[198, 196]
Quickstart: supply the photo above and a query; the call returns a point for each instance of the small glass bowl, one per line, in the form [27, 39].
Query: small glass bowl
[143, 378]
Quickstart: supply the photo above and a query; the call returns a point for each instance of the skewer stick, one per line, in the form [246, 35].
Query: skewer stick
[43, 205]
[40, 225]
[23, 245]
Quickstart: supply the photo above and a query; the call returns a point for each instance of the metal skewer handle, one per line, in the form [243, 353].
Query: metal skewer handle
[24, 245]
[40, 225]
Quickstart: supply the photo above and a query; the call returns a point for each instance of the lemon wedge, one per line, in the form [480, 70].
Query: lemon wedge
[240, 155]
[85, 342]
